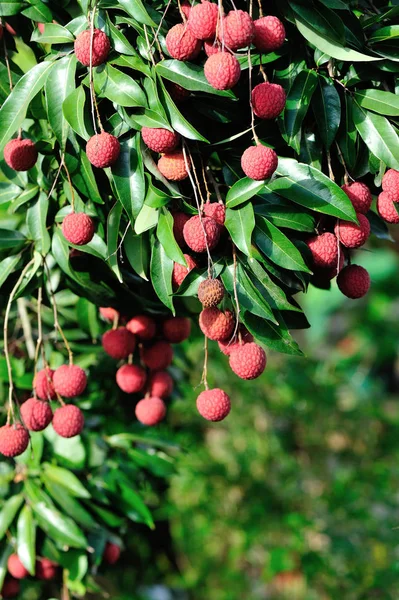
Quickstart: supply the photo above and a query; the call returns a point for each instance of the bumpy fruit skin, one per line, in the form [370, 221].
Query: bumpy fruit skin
[159, 139]
[180, 272]
[210, 292]
[101, 47]
[103, 150]
[158, 356]
[259, 162]
[248, 361]
[150, 411]
[203, 19]
[179, 221]
[69, 381]
[324, 249]
[131, 378]
[43, 384]
[108, 313]
[215, 210]
[186, 8]
[14, 439]
[46, 569]
[119, 343]
[214, 405]
[211, 47]
[222, 70]
[228, 346]
[390, 184]
[360, 196]
[173, 166]
[143, 326]
[36, 415]
[10, 589]
[354, 281]
[386, 208]
[20, 155]
[68, 421]
[181, 43]
[352, 235]
[78, 228]
[176, 329]
[215, 324]
[160, 384]
[238, 30]
[16, 568]
[112, 553]
[268, 100]
[196, 238]
[269, 34]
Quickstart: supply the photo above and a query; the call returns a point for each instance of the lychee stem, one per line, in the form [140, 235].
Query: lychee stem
[237, 303]
[60, 399]
[215, 185]
[347, 177]
[57, 325]
[183, 16]
[330, 170]
[148, 45]
[260, 8]
[198, 183]
[250, 98]
[204, 378]
[93, 100]
[160, 25]
[220, 22]
[204, 177]
[130, 359]
[161, 54]
[262, 70]
[70, 186]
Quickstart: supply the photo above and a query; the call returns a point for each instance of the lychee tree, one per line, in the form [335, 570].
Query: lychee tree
[170, 164]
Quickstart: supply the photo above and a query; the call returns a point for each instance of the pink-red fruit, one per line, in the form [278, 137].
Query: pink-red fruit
[36, 415]
[269, 34]
[387, 208]
[215, 210]
[150, 411]
[143, 326]
[176, 329]
[222, 71]
[390, 184]
[211, 47]
[215, 324]
[160, 140]
[103, 150]
[210, 292]
[14, 439]
[119, 343]
[180, 272]
[108, 313]
[203, 19]
[354, 281]
[213, 405]
[237, 30]
[20, 155]
[181, 43]
[360, 196]
[69, 381]
[78, 228]
[268, 100]
[352, 235]
[10, 589]
[201, 233]
[174, 166]
[16, 568]
[179, 221]
[131, 378]
[160, 384]
[158, 356]
[324, 249]
[112, 553]
[46, 569]
[228, 346]
[68, 421]
[248, 361]
[259, 162]
[101, 47]
[43, 384]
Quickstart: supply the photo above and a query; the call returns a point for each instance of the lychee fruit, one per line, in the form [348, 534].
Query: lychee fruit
[215, 210]
[179, 221]
[159, 139]
[248, 361]
[360, 196]
[20, 155]
[269, 34]
[210, 292]
[354, 281]
[43, 384]
[259, 162]
[14, 439]
[237, 30]
[68, 421]
[10, 29]
[222, 70]
[228, 346]
[176, 329]
[268, 100]
[203, 20]
[78, 228]
[352, 235]
[16, 568]
[150, 411]
[46, 569]
[186, 8]
[181, 43]
[119, 343]
[180, 272]
[11, 588]
[112, 553]
[143, 326]
[213, 405]
[160, 384]
[215, 324]
[103, 150]
[131, 378]
[101, 47]
[173, 166]
[390, 184]
[108, 313]
[158, 356]
[69, 381]
[387, 208]
[36, 415]
[201, 233]
[324, 249]
[211, 47]
[177, 92]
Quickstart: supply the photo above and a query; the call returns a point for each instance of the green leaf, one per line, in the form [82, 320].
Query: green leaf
[146, 219]
[137, 510]
[118, 87]
[384, 103]
[378, 135]
[178, 122]
[67, 479]
[26, 195]
[8, 548]
[189, 76]
[277, 246]
[137, 249]
[150, 118]
[52, 34]
[240, 224]
[88, 317]
[128, 177]
[113, 226]
[39, 12]
[297, 105]
[384, 33]
[73, 109]
[119, 41]
[286, 217]
[11, 239]
[326, 22]
[8, 512]
[161, 269]
[137, 10]
[60, 83]
[8, 192]
[272, 292]
[243, 190]
[70, 505]
[7, 266]
[166, 237]
[36, 218]
[26, 539]
[276, 337]
[8, 8]
[327, 109]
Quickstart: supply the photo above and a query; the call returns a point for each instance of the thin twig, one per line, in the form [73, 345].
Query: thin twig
[93, 100]
[237, 303]
[330, 170]
[215, 184]
[204, 378]
[347, 177]
[70, 185]
[250, 97]
[160, 24]
[148, 45]
[260, 8]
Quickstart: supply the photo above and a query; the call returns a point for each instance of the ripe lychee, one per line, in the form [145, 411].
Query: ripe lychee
[176, 329]
[173, 166]
[177, 92]
[201, 233]
[68, 421]
[203, 20]
[103, 150]
[228, 346]
[179, 221]
[143, 326]
[43, 384]
[112, 553]
[78, 228]
[237, 30]
[269, 34]
[215, 210]
[210, 292]
[10, 589]
[215, 324]
[20, 155]
[101, 47]
[259, 162]
[186, 8]
[222, 70]
[181, 43]
[268, 100]
[324, 249]
[108, 313]
[390, 184]
[248, 361]
[387, 208]
[36, 415]
[213, 405]
[323, 275]
[352, 235]
[130, 378]
[160, 384]
[159, 139]
[158, 356]
[354, 281]
[119, 343]
[180, 272]
[16, 568]
[360, 196]
[150, 411]
[69, 381]
[14, 439]
[46, 569]
[10, 29]
[211, 47]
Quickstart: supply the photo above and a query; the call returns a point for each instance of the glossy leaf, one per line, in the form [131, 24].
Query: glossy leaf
[327, 109]
[276, 337]
[9, 511]
[240, 224]
[113, 227]
[378, 135]
[277, 246]
[59, 85]
[137, 10]
[161, 274]
[73, 109]
[189, 76]
[52, 34]
[166, 237]
[384, 103]
[118, 87]
[67, 479]
[243, 190]
[26, 539]
[137, 251]
[36, 218]
[298, 102]
[128, 177]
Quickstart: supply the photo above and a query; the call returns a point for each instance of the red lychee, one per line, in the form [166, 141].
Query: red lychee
[268, 100]
[200, 233]
[237, 29]
[248, 361]
[269, 34]
[160, 140]
[78, 228]
[16, 568]
[46, 569]
[119, 343]
[179, 221]
[160, 384]
[180, 272]
[186, 8]
[222, 70]
[173, 166]
[130, 378]
[158, 356]
[387, 208]
[181, 43]
[360, 196]
[69, 381]
[10, 589]
[324, 249]
[215, 210]
[211, 47]
[203, 19]
[390, 184]
[43, 384]
[112, 553]
[259, 162]
[14, 439]
[352, 235]
[354, 281]
[215, 324]
[150, 411]
[143, 326]
[108, 313]
[20, 155]
[213, 405]
[177, 92]
[210, 292]
[100, 44]
[68, 421]
[36, 415]
[103, 150]
[10, 29]
[228, 346]
[176, 329]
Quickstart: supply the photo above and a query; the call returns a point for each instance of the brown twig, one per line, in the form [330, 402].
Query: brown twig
[238, 310]
[93, 100]
[250, 97]
[347, 177]
[204, 378]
